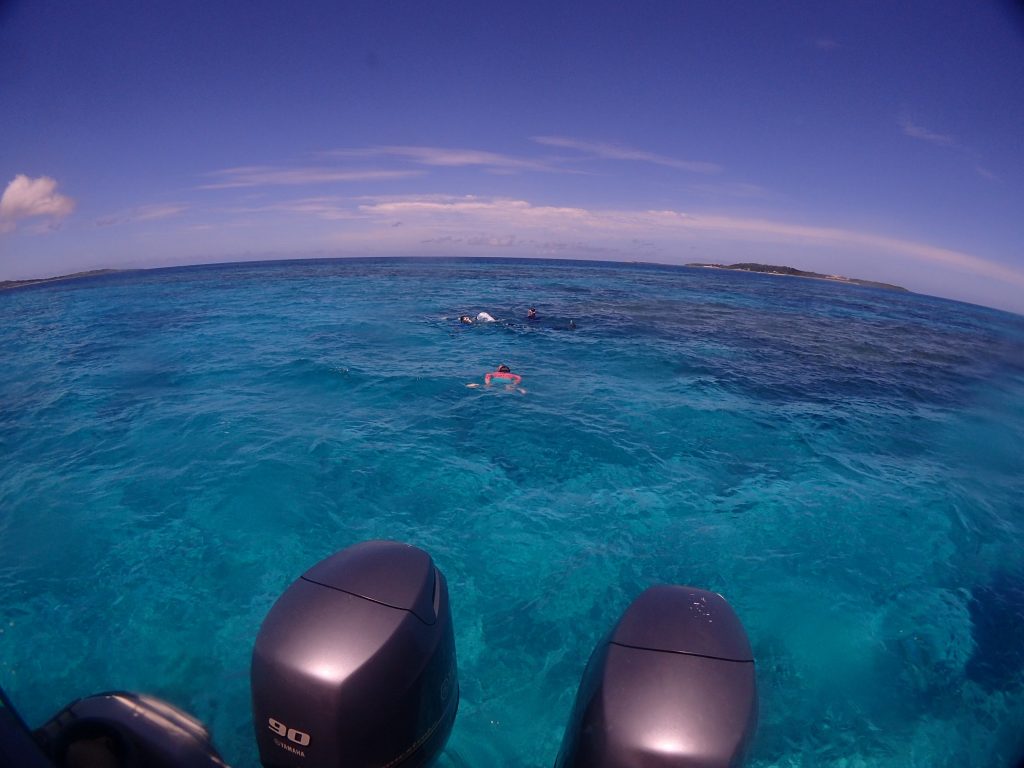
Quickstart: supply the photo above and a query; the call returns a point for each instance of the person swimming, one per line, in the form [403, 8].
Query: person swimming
[503, 372]
[466, 319]
[483, 317]
[531, 313]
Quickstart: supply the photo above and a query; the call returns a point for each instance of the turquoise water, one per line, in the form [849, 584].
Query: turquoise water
[845, 465]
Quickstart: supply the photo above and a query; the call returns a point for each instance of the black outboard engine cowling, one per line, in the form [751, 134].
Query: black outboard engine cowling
[355, 663]
[671, 686]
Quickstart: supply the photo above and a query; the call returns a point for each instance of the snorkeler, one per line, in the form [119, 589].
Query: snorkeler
[503, 372]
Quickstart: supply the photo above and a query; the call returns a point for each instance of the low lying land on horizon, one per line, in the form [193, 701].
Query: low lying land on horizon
[771, 269]
[6, 284]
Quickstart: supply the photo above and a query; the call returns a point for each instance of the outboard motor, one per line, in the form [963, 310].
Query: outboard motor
[671, 686]
[355, 663]
[125, 730]
[17, 747]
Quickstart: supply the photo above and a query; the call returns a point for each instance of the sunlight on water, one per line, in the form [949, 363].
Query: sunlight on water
[843, 464]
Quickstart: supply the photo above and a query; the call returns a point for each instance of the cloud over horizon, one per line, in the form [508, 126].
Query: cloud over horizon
[26, 198]
[144, 213]
[609, 151]
[468, 216]
[271, 176]
[451, 158]
[916, 131]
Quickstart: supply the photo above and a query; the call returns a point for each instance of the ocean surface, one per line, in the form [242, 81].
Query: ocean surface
[844, 464]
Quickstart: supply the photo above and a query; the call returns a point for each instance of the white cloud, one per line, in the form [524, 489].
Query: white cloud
[328, 207]
[532, 245]
[467, 217]
[403, 224]
[144, 213]
[972, 156]
[451, 158]
[435, 157]
[608, 151]
[517, 212]
[266, 176]
[761, 229]
[25, 198]
[915, 131]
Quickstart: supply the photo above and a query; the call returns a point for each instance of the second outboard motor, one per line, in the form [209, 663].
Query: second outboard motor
[355, 663]
[126, 730]
[671, 686]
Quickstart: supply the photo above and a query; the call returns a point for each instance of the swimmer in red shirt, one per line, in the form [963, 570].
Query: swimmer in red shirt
[503, 372]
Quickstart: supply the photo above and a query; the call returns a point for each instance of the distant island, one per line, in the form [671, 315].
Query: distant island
[7, 284]
[768, 269]
[771, 269]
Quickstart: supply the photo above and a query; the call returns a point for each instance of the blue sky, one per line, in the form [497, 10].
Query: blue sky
[873, 139]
